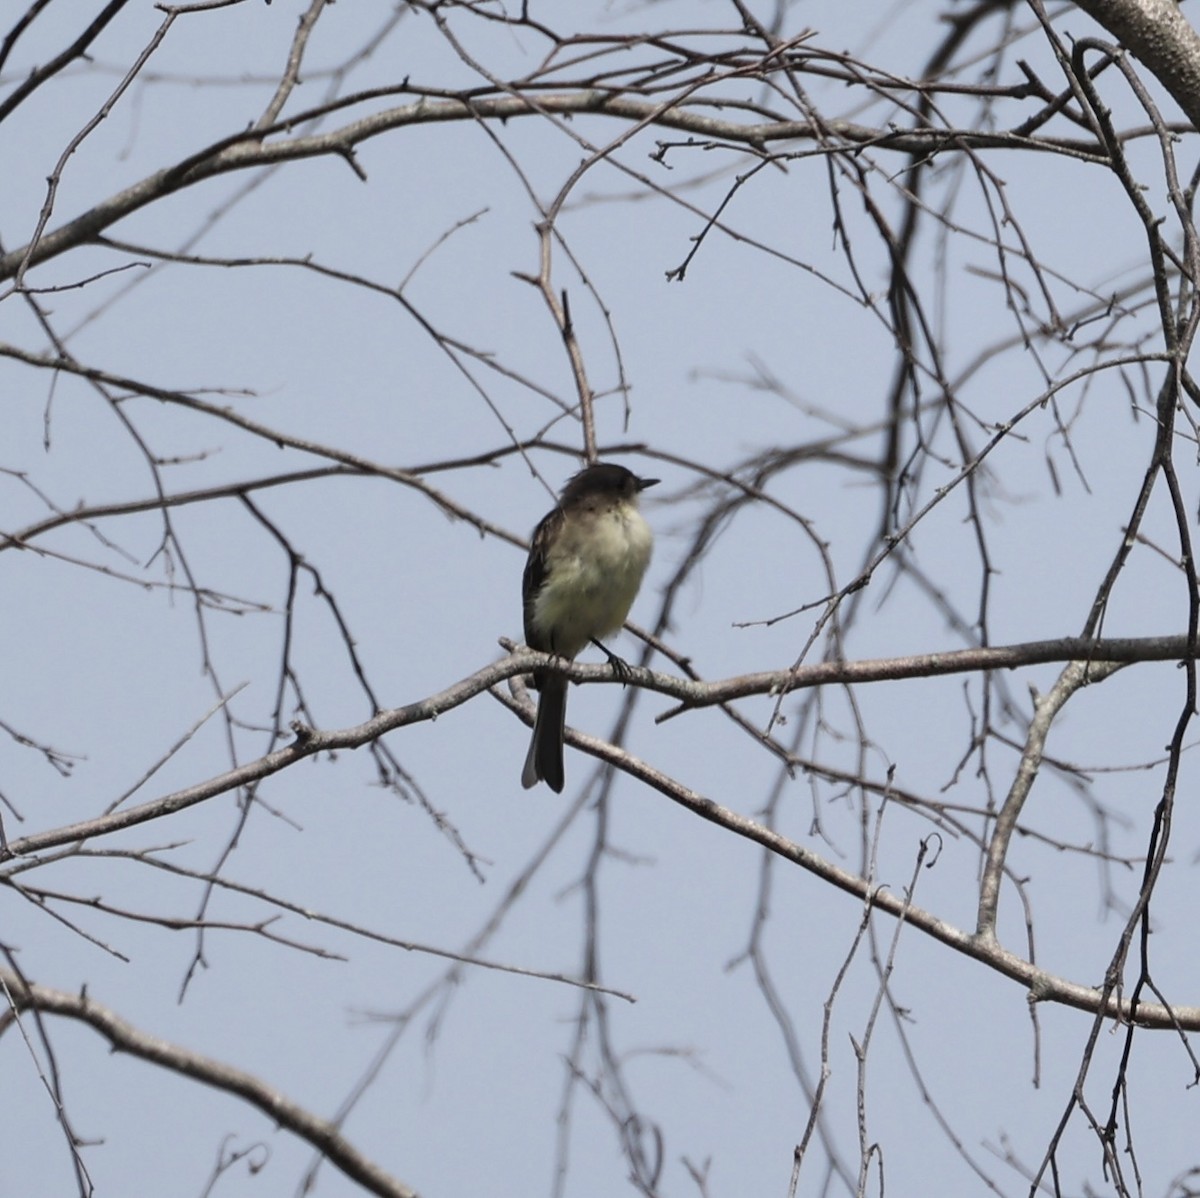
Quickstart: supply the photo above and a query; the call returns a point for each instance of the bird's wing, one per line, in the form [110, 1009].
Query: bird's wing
[535, 575]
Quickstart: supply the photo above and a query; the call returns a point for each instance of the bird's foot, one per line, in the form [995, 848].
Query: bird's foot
[620, 667]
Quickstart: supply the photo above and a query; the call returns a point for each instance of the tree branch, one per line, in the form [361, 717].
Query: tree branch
[692, 694]
[1158, 33]
[124, 1037]
[250, 149]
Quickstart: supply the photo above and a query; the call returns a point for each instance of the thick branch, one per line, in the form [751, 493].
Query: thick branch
[921, 665]
[1158, 33]
[124, 1037]
[251, 149]
[311, 741]
[1041, 985]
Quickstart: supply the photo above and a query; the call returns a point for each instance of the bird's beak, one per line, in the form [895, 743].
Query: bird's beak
[643, 483]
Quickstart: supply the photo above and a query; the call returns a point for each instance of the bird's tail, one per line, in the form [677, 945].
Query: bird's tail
[544, 761]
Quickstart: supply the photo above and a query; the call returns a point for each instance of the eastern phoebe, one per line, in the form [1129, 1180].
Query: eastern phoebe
[585, 566]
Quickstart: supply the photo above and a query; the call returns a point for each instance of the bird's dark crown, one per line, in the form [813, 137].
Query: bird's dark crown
[603, 478]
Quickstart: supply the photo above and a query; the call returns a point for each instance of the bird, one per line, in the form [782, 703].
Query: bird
[586, 562]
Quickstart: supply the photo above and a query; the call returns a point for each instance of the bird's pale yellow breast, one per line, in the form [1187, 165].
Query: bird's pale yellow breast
[593, 573]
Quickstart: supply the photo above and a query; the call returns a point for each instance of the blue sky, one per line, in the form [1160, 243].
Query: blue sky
[107, 661]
